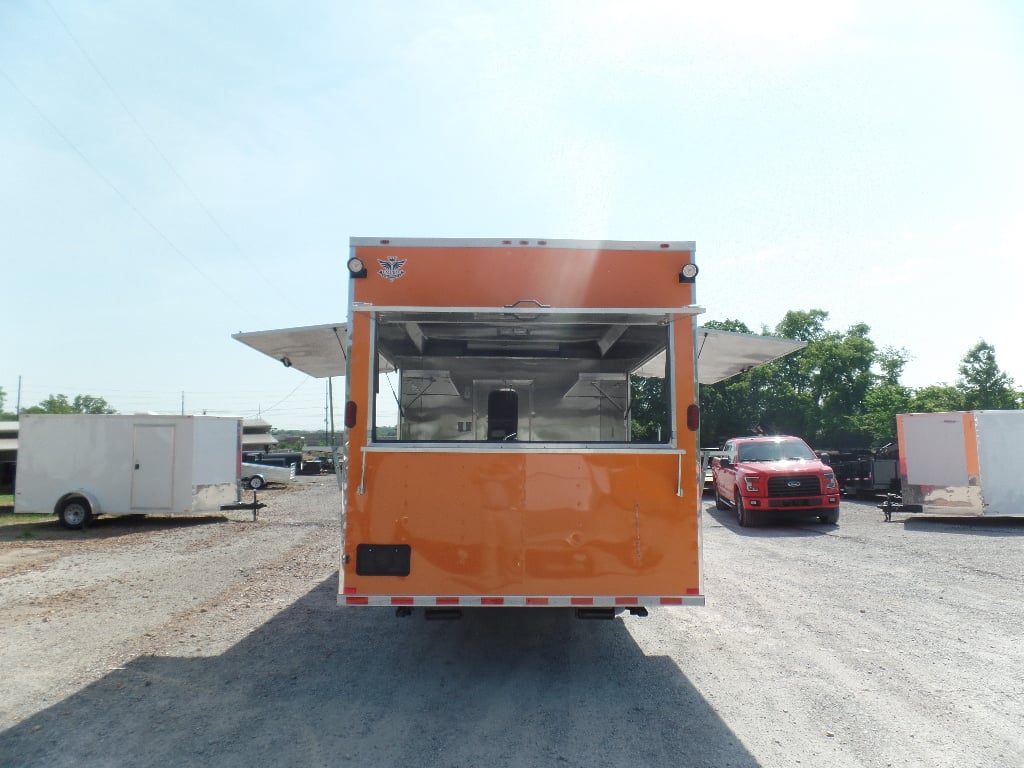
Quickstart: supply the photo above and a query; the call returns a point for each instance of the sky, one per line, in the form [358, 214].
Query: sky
[174, 172]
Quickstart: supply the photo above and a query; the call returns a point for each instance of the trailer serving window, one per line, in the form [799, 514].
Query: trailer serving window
[524, 377]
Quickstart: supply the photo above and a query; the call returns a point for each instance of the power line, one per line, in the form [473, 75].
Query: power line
[152, 142]
[171, 244]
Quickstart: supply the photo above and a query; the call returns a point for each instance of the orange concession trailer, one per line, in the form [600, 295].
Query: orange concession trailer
[493, 397]
[521, 421]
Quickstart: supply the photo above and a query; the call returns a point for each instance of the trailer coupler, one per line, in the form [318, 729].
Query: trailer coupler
[255, 506]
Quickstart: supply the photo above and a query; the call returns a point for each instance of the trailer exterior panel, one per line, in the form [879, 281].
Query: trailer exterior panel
[493, 397]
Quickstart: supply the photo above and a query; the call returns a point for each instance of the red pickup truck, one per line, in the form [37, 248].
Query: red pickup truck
[761, 475]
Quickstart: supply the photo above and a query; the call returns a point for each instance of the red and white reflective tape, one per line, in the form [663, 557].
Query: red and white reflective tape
[522, 601]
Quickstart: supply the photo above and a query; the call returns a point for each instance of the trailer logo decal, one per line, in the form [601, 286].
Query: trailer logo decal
[391, 268]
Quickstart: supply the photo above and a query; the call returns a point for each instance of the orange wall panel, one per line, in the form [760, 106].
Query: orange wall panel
[534, 523]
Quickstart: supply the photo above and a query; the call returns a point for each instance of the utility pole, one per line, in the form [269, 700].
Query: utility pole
[17, 407]
[183, 402]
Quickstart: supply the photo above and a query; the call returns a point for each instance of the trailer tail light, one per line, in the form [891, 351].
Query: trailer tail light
[693, 417]
[350, 414]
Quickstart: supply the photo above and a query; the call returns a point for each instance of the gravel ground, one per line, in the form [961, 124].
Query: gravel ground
[159, 641]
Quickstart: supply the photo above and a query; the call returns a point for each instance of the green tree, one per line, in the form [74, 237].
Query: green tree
[818, 393]
[4, 416]
[886, 397]
[649, 410]
[936, 398]
[982, 384]
[81, 404]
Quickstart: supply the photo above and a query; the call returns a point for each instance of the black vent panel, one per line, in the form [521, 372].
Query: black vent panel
[383, 559]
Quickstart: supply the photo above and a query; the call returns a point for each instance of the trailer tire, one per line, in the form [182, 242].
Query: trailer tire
[74, 513]
[256, 482]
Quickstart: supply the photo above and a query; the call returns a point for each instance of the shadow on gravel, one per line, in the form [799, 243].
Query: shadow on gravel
[974, 526]
[781, 525]
[320, 685]
[102, 527]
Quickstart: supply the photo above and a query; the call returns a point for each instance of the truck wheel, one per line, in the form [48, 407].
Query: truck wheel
[743, 515]
[256, 482]
[831, 517]
[719, 504]
[74, 513]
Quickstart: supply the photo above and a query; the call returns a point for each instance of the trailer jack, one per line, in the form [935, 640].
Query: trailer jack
[891, 504]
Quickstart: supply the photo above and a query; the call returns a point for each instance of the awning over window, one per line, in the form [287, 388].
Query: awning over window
[319, 350]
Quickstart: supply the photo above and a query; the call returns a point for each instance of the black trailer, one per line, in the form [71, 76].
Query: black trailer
[867, 473]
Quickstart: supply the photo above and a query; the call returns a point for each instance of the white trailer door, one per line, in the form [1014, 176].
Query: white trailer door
[152, 466]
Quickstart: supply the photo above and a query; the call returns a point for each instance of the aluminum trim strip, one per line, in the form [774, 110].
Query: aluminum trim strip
[488, 447]
[689, 309]
[524, 242]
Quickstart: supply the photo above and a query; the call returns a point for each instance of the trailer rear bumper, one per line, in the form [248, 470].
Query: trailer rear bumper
[521, 601]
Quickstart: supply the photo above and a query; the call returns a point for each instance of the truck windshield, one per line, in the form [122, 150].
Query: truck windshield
[522, 377]
[781, 450]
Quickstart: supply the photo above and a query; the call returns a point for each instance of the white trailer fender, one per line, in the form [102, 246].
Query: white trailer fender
[94, 505]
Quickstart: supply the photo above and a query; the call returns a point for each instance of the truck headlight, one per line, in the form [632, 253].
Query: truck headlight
[830, 481]
[752, 483]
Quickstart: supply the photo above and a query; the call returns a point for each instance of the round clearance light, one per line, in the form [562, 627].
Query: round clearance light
[689, 271]
[355, 265]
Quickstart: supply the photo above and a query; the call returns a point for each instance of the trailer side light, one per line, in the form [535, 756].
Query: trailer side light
[350, 414]
[693, 417]
[688, 273]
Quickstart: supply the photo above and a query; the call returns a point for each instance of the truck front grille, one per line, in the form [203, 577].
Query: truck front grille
[794, 485]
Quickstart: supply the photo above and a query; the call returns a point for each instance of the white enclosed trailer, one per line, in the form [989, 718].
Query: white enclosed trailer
[962, 462]
[77, 466]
